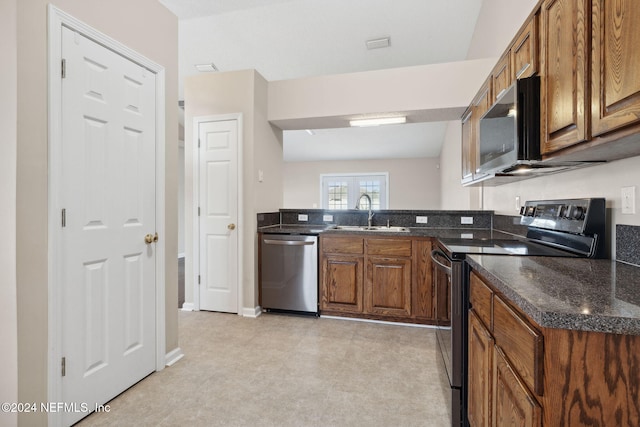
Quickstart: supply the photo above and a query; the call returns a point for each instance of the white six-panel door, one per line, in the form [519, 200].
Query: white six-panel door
[218, 205]
[108, 194]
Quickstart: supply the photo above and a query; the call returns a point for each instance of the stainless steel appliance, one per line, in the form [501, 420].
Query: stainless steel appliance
[289, 273]
[561, 228]
[509, 135]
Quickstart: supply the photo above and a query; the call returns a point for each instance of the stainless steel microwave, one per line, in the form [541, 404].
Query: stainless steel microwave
[510, 130]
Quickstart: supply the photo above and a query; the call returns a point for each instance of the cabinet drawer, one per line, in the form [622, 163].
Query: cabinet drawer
[343, 245]
[481, 298]
[389, 247]
[521, 343]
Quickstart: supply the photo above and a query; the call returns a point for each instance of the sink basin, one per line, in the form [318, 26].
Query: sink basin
[376, 228]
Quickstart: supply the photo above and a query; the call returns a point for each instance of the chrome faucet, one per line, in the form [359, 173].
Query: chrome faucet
[370, 216]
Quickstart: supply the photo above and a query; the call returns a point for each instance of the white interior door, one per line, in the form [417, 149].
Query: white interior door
[108, 194]
[218, 208]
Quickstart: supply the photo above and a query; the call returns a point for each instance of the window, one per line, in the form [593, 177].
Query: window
[343, 191]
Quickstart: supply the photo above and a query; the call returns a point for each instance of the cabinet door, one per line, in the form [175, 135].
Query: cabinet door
[388, 286]
[422, 305]
[442, 283]
[468, 146]
[524, 52]
[513, 404]
[342, 283]
[615, 65]
[480, 373]
[481, 104]
[501, 76]
[563, 91]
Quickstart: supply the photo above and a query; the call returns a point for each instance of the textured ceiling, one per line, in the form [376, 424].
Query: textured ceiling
[285, 39]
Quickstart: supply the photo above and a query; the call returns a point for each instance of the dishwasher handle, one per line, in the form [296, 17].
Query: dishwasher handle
[434, 254]
[290, 242]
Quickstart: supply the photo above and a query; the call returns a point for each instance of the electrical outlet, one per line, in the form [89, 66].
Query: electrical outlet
[303, 217]
[466, 235]
[466, 220]
[327, 218]
[422, 219]
[628, 195]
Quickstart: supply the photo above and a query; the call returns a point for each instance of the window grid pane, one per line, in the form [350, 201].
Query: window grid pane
[338, 195]
[372, 188]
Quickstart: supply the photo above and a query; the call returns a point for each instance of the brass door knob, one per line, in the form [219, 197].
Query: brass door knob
[148, 239]
[231, 226]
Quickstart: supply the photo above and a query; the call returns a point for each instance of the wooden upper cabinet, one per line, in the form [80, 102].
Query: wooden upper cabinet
[524, 51]
[615, 65]
[501, 76]
[468, 165]
[564, 72]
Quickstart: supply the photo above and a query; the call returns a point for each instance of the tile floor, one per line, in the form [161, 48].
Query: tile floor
[280, 370]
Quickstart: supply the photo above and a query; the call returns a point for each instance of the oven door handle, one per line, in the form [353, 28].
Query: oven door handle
[434, 254]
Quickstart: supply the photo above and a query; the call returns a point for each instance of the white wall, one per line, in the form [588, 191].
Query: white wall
[8, 146]
[225, 93]
[439, 92]
[413, 183]
[498, 22]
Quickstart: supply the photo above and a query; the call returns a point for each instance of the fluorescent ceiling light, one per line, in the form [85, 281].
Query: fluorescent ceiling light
[206, 67]
[310, 132]
[378, 121]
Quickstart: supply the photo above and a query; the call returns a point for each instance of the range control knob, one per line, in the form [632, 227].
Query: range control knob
[563, 211]
[577, 212]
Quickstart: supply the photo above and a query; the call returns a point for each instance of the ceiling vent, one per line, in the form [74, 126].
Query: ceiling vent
[206, 67]
[379, 43]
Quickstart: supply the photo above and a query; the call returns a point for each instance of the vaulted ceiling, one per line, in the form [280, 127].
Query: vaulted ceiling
[285, 39]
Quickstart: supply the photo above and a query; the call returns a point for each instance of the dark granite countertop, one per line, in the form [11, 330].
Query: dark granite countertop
[458, 233]
[568, 293]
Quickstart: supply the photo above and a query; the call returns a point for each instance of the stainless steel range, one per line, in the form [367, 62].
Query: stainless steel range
[560, 228]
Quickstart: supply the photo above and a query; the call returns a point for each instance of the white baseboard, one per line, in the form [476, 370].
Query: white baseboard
[173, 356]
[188, 306]
[384, 322]
[252, 312]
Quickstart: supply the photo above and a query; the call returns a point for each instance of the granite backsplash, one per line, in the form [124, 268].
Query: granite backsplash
[509, 224]
[628, 244]
[400, 218]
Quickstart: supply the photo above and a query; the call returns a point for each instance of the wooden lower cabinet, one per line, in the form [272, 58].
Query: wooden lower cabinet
[513, 404]
[577, 378]
[342, 287]
[480, 373]
[377, 277]
[388, 286]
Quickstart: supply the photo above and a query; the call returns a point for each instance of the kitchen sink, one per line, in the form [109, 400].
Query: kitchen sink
[376, 228]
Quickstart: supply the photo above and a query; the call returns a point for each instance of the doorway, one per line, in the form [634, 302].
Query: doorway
[217, 184]
[106, 210]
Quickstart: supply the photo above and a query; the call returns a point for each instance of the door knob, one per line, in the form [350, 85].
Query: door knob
[150, 238]
[231, 226]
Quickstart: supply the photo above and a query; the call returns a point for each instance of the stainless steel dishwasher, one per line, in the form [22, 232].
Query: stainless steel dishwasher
[289, 273]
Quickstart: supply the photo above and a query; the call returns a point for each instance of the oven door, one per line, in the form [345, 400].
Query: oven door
[442, 282]
[451, 332]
